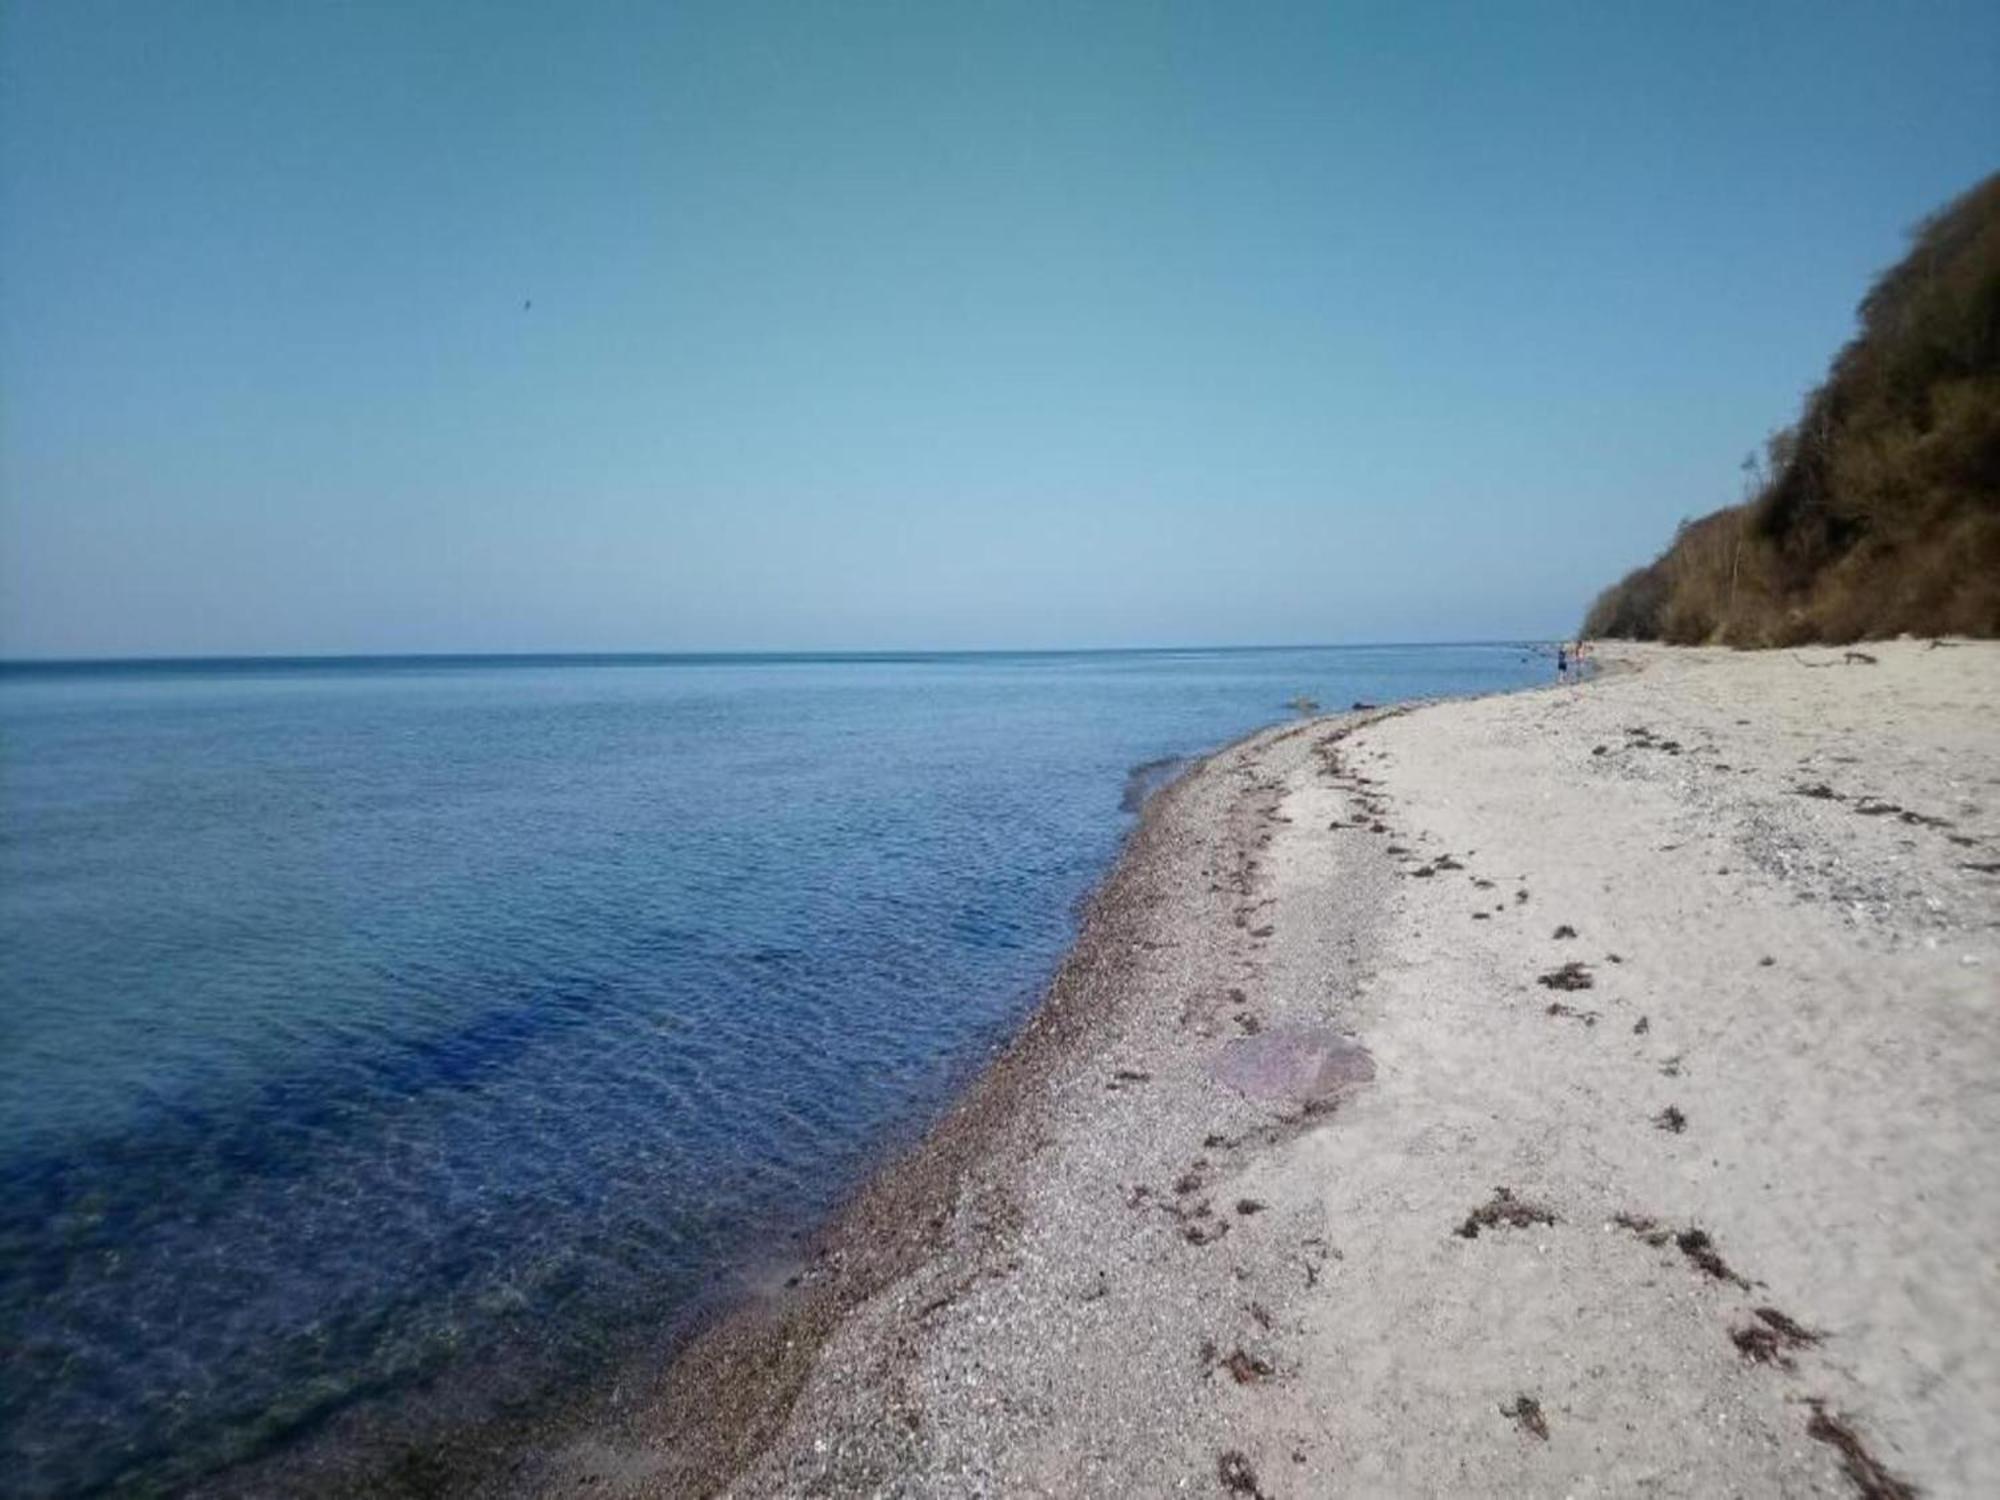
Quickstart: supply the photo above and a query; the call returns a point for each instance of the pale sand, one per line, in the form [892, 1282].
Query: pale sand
[1046, 1297]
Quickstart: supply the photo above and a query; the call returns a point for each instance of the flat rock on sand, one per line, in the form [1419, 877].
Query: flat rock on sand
[1732, 1169]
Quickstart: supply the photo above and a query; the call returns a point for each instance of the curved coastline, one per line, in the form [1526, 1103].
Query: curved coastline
[1439, 1101]
[713, 1388]
[699, 1399]
[695, 1422]
[723, 1401]
[728, 1391]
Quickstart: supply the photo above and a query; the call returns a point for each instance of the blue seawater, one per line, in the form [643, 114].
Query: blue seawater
[362, 1021]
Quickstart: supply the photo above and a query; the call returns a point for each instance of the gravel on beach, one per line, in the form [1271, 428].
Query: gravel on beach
[1583, 1091]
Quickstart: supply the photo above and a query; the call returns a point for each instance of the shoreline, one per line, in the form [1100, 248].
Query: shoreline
[687, 1411]
[727, 1393]
[1667, 1169]
[446, 1441]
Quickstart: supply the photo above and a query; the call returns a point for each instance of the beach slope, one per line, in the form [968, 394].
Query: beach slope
[1585, 1091]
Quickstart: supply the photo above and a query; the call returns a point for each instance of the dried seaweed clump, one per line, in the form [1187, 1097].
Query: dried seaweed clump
[1700, 1249]
[1767, 1341]
[1527, 1414]
[1863, 1469]
[1234, 1474]
[1503, 1208]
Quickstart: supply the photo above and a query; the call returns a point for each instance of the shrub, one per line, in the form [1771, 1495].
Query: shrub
[1879, 511]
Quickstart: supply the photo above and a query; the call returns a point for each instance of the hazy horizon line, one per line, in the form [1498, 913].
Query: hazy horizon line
[644, 656]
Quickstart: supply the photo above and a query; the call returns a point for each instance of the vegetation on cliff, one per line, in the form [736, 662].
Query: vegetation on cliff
[1878, 512]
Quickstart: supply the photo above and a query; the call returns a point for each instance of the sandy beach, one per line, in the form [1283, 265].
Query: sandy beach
[1583, 1091]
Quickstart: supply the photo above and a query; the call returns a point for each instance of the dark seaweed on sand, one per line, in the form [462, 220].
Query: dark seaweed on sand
[1233, 1472]
[1571, 976]
[1527, 1414]
[1700, 1249]
[1863, 1469]
[1503, 1208]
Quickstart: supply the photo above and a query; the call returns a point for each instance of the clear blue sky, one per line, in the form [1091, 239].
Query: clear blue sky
[918, 325]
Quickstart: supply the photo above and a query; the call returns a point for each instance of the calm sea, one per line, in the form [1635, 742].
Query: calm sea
[370, 1027]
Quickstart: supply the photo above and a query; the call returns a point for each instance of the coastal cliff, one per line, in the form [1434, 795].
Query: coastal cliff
[1878, 511]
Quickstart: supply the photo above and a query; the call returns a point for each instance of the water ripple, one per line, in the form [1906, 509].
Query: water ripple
[358, 1024]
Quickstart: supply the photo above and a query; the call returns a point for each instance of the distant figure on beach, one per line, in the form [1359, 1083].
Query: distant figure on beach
[1562, 663]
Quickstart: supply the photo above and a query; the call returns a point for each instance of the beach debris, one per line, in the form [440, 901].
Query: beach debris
[1864, 1471]
[1759, 1346]
[1767, 1341]
[1259, 1313]
[1818, 789]
[1301, 1064]
[1980, 869]
[1645, 1226]
[1249, 1206]
[1571, 976]
[1204, 1231]
[1873, 807]
[1700, 1250]
[1788, 1329]
[1671, 1068]
[1234, 1474]
[1641, 1026]
[1766, 961]
[1557, 1008]
[1316, 1253]
[1247, 1369]
[1858, 658]
[1190, 1180]
[1527, 1414]
[1503, 1208]
[1124, 1077]
[1671, 1119]
[1564, 931]
[1600, 749]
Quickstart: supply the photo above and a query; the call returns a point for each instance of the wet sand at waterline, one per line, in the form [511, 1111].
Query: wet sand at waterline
[1581, 1091]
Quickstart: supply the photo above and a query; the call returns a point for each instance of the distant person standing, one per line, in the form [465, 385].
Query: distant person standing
[1562, 663]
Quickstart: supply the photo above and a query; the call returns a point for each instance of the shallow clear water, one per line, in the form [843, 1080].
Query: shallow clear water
[361, 1020]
